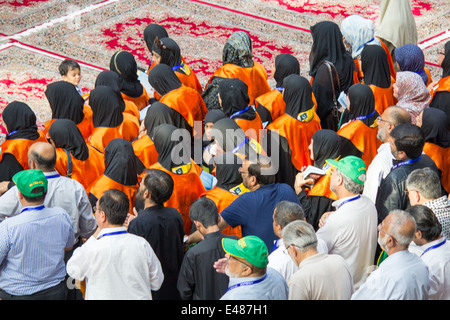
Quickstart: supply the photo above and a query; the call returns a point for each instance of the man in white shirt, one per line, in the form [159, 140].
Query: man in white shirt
[383, 161]
[402, 275]
[351, 230]
[320, 276]
[62, 192]
[117, 265]
[435, 251]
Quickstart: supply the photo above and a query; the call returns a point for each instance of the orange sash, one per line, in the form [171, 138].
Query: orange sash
[102, 136]
[363, 137]
[140, 102]
[129, 129]
[188, 187]
[273, 102]
[322, 188]
[104, 183]
[254, 77]
[251, 127]
[19, 149]
[145, 150]
[223, 198]
[131, 108]
[85, 172]
[441, 157]
[442, 85]
[384, 97]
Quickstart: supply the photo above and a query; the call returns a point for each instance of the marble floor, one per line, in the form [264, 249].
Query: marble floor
[35, 36]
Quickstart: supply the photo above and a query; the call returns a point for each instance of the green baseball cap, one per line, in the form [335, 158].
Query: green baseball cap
[351, 166]
[28, 180]
[250, 248]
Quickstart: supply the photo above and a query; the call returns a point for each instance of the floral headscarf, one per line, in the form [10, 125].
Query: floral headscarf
[413, 95]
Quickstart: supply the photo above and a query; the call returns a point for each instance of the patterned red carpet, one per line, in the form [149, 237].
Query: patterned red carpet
[36, 35]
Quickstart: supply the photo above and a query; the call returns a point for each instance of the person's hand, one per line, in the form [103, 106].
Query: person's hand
[3, 187]
[220, 265]
[323, 218]
[300, 181]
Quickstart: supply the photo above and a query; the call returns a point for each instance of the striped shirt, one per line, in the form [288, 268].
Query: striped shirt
[32, 249]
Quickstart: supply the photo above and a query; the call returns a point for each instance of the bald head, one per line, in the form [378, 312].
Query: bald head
[42, 156]
[397, 115]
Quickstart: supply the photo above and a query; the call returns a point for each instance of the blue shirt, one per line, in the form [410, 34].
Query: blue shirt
[32, 249]
[253, 211]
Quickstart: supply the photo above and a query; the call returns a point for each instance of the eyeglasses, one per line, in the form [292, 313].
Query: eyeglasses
[380, 229]
[443, 53]
[379, 120]
[286, 251]
[236, 259]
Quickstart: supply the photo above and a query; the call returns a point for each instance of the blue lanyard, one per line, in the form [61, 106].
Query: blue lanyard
[247, 283]
[433, 247]
[280, 89]
[53, 176]
[275, 245]
[365, 44]
[365, 117]
[11, 133]
[33, 208]
[111, 234]
[177, 67]
[238, 113]
[406, 162]
[350, 200]
[240, 145]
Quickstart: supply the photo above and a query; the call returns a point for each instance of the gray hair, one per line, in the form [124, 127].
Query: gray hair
[349, 184]
[400, 219]
[300, 234]
[426, 182]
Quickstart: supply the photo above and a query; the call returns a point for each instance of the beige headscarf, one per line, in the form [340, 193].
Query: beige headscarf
[396, 23]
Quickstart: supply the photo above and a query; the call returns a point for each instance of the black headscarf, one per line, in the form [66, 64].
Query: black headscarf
[65, 101]
[297, 95]
[229, 135]
[214, 116]
[234, 95]
[375, 66]
[110, 79]
[435, 127]
[106, 107]
[285, 64]
[328, 45]
[65, 134]
[152, 31]
[169, 51]
[238, 50]
[165, 144]
[446, 62]
[362, 103]
[159, 113]
[163, 79]
[227, 171]
[124, 63]
[20, 121]
[120, 162]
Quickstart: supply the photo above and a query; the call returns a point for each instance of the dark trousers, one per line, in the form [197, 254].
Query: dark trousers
[57, 292]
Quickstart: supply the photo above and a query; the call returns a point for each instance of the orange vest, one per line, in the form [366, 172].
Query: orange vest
[430, 80]
[140, 102]
[442, 85]
[102, 136]
[223, 198]
[189, 79]
[19, 149]
[104, 183]
[441, 157]
[86, 126]
[254, 77]
[322, 188]
[131, 108]
[363, 137]
[188, 187]
[85, 172]
[129, 129]
[251, 127]
[188, 102]
[145, 150]
[384, 97]
[298, 135]
[273, 102]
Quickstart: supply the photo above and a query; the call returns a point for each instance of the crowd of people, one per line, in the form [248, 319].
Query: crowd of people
[332, 187]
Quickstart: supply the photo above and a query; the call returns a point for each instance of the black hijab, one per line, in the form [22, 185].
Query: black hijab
[65, 134]
[435, 127]
[297, 95]
[106, 107]
[169, 51]
[446, 62]
[160, 113]
[234, 95]
[362, 104]
[167, 146]
[214, 116]
[163, 79]
[227, 171]
[110, 79]
[65, 101]
[238, 50]
[152, 31]
[124, 63]
[375, 66]
[328, 45]
[120, 162]
[229, 136]
[285, 64]
[20, 121]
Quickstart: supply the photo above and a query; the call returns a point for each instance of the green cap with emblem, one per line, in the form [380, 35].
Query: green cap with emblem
[28, 180]
[350, 166]
[250, 248]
